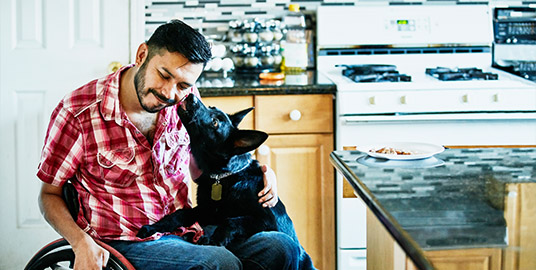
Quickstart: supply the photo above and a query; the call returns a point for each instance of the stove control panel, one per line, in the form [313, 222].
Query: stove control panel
[514, 25]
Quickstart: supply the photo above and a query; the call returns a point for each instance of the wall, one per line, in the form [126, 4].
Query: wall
[213, 16]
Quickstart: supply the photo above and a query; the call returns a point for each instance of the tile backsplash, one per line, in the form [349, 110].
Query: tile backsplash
[212, 16]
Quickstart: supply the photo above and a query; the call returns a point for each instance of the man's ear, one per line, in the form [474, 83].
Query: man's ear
[237, 117]
[141, 54]
[247, 140]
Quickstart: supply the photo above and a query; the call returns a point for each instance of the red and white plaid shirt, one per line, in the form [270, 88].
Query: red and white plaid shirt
[123, 181]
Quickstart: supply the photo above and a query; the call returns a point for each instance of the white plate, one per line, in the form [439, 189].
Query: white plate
[420, 150]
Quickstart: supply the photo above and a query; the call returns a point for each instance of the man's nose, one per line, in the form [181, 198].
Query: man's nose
[171, 92]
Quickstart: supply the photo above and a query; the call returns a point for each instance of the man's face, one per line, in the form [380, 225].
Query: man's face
[164, 80]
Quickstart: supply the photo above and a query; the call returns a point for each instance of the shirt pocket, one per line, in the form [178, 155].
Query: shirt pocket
[174, 151]
[118, 166]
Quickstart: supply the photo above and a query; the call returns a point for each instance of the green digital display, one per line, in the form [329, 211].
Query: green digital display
[402, 22]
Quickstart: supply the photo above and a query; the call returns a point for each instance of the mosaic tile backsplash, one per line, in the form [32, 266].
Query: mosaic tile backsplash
[212, 16]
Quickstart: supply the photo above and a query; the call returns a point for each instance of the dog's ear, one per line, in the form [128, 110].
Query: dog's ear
[237, 117]
[247, 140]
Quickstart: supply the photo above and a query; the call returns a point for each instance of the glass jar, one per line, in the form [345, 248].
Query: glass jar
[265, 34]
[276, 53]
[267, 59]
[251, 60]
[238, 55]
[235, 31]
[250, 35]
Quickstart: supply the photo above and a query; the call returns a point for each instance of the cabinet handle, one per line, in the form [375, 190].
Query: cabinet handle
[465, 98]
[496, 98]
[295, 115]
[372, 100]
[403, 100]
[263, 150]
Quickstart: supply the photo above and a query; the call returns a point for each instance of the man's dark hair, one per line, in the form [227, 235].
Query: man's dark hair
[176, 36]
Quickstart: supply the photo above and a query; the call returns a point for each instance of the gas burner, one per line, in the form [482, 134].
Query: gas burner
[460, 74]
[374, 73]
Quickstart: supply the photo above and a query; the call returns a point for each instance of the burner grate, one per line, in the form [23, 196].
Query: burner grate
[460, 74]
[374, 73]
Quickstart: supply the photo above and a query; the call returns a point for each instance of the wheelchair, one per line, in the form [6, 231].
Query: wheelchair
[59, 255]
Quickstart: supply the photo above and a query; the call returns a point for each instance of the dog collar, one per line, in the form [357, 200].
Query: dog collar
[219, 176]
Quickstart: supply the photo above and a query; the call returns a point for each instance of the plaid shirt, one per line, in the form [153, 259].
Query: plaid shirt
[123, 181]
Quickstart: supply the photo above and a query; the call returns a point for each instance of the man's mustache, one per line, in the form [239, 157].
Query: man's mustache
[169, 101]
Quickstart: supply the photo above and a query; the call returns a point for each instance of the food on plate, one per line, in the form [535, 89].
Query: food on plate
[391, 151]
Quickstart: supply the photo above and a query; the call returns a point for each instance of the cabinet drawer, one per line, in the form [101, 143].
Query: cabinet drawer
[232, 104]
[294, 113]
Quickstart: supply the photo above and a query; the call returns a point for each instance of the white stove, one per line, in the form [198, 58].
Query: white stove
[491, 108]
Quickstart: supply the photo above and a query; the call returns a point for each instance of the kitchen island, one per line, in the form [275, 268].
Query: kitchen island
[460, 209]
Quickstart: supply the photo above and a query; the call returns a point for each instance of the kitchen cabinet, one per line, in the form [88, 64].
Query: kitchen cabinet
[298, 148]
[520, 214]
[383, 253]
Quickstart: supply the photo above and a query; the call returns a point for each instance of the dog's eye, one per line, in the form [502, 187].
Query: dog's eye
[215, 122]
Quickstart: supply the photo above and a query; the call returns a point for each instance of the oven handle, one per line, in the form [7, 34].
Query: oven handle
[356, 119]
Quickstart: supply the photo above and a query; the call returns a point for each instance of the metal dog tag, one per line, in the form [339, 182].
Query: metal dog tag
[216, 191]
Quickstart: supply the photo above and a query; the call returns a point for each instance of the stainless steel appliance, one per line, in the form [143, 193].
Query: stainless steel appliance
[417, 74]
[514, 47]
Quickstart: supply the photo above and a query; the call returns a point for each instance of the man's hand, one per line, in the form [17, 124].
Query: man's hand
[89, 255]
[269, 193]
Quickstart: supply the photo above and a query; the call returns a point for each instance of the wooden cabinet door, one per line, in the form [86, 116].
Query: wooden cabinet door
[384, 253]
[305, 183]
[520, 215]
[232, 104]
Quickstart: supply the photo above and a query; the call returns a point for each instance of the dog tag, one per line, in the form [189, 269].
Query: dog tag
[216, 191]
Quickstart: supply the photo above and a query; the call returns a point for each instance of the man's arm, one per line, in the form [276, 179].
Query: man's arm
[88, 254]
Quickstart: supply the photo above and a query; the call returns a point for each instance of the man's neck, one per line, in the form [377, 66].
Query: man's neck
[127, 93]
[144, 121]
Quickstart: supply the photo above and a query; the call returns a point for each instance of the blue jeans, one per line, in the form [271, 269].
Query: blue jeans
[264, 250]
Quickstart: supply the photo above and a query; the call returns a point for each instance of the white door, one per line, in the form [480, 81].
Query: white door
[47, 49]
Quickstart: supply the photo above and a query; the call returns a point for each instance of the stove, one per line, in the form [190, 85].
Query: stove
[416, 74]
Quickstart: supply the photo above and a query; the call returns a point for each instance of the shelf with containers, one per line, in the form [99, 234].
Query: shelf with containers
[254, 45]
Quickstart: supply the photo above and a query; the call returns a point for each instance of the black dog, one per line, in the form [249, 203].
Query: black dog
[227, 190]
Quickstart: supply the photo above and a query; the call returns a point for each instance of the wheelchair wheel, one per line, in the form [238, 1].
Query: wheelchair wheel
[58, 255]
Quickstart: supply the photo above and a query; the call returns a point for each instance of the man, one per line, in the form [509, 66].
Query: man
[122, 139]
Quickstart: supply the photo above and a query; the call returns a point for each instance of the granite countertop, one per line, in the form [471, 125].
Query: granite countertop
[448, 201]
[236, 84]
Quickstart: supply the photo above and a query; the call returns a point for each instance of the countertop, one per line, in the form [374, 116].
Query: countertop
[449, 201]
[236, 84]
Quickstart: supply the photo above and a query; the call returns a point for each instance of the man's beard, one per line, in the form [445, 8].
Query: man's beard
[139, 84]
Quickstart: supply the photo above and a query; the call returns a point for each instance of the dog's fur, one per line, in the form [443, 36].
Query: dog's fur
[221, 149]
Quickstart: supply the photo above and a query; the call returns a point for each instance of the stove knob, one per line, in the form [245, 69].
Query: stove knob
[295, 115]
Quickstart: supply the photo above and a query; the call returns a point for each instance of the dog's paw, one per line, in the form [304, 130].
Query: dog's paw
[203, 240]
[220, 239]
[146, 231]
